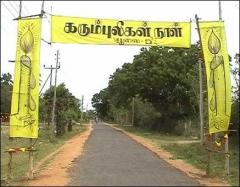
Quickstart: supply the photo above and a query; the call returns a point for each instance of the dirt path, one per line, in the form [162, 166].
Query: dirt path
[56, 173]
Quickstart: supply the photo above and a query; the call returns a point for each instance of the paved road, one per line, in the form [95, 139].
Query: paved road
[111, 158]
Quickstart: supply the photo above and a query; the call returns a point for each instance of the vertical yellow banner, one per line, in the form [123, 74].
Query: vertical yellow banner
[25, 96]
[218, 75]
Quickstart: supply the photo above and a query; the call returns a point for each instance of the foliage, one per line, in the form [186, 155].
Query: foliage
[235, 106]
[235, 72]
[43, 146]
[101, 103]
[6, 92]
[145, 114]
[193, 152]
[67, 106]
[166, 80]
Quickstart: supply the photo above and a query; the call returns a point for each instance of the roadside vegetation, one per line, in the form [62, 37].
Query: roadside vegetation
[43, 145]
[157, 96]
[190, 150]
[69, 122]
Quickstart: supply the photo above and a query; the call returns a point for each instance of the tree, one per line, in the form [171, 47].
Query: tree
[165, 79]
[67, 106]
[6, 92]
[235, 89]
[100, 102]
[235, 72]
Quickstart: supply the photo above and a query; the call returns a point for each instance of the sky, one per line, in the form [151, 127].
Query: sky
[85, 69]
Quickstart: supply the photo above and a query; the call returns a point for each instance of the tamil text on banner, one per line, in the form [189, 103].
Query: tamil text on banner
[24, 108]
[120, 32]
[218, 74]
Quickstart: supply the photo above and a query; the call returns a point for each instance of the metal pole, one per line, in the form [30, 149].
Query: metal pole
[200, 101]
[20, 9]
[200, 89]
[219, 10]
[133, 111]
[51, 76]
[51, 68]
[226, 148]
[44, 84]
[82, 109]
[30, 162]
[226, 155]
[54, 97]
[42, 9]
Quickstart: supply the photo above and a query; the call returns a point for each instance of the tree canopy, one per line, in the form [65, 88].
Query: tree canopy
[166, 78]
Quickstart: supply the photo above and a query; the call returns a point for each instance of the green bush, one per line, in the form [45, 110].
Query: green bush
[146, 115]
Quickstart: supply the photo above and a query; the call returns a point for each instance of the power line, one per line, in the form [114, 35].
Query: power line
[8, 10]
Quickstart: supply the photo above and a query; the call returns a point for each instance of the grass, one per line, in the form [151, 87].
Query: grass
[194, 153]
[20, 160]
[159, 138]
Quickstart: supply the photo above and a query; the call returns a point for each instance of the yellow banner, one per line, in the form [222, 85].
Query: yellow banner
[218, 75]
[24, 108]
[120, 32]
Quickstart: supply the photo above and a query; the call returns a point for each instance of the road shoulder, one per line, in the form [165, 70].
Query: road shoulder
[188, 169]
[55, 174]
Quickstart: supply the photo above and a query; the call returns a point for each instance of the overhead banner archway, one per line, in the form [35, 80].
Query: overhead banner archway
[119, 32]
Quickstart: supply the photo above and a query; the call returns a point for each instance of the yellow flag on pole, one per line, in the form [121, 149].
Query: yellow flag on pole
[218, 74]
[25, 96]
[119, 32]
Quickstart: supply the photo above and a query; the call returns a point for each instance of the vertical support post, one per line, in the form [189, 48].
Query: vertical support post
[200, 87]
[54, 97]
[133, 110]
[20, 9]
[210, 140]
[219, 10]
[51, 76]
[82, 109]
[30, 162]
[200, 101]
[226, 151]
[9, 169]
[208, 163]
[42, 8]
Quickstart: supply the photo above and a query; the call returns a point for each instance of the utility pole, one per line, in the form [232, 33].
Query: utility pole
[54, 97]
[133, 111]
[51, 68]
[226, 148]
[42, 8]
[219, 10]
[200, 101]
[82, 108]
[200, 89]
[20, 9]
